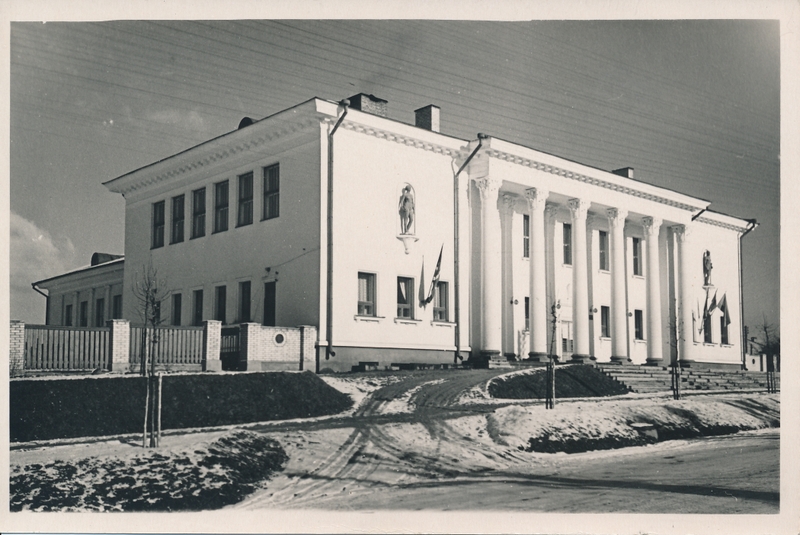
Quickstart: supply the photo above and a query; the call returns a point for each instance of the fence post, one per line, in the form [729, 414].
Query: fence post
[119, 345]
[212, 336]
[16, 347]
[308, 336]
[250, 350]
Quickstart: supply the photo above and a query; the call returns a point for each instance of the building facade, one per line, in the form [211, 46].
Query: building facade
[402, 244]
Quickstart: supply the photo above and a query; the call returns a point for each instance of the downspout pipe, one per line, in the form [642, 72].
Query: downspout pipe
[456, 248]
[752, 224]
[47, 303]
[329, 279]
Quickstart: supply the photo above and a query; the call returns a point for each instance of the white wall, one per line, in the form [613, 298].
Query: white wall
[288, 245]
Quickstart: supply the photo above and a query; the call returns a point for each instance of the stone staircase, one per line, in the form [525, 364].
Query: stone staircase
[647, 379]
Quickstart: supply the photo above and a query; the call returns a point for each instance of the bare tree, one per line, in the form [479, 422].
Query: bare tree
[770, 345]
[150, 292]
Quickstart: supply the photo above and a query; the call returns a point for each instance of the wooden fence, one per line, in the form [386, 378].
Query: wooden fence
[173, 345]
[49, 347]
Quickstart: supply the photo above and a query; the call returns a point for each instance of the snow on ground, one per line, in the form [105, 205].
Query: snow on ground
[403, 404]
[359, 387]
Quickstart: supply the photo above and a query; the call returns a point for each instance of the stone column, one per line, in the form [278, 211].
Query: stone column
[652, 225]
[507, 267]
[580, 281]
[538, 278]
[120, 334]
[212, 339]
[491, 273]
[619, 308]
[550, 213]
[685, 323]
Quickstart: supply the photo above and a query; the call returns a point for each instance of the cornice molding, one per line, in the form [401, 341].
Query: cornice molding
[726, 226]
[403, 139]
[579, 177]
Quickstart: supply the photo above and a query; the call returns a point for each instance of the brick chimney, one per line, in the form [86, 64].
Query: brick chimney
[627, 172]
[428, 117]
[369, 104]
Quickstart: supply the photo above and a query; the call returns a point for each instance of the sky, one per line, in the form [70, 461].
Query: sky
[692, 105]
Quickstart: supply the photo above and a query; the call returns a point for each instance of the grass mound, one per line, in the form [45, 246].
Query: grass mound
[45, 409]
[210, 477]
[571, 382]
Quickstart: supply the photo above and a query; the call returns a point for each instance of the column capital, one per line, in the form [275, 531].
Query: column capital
[507, 206]
[551, 210]
[651, 225]
[579, 208]
[488, 186]
[616, 216]
[536, 197]
[681, 232]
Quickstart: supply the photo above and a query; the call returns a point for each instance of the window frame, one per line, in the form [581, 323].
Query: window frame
[68, 315]
[367, 307]
[708, 336]
[221, 206]
[270, 193]
[605, 321]
[198, 213]
[527, 313]
[567, 243]
[244, 212]
[158, 220]
[638, 325]
[602, 247]
[526, 236]
[197, 307]
[176, 309]
[636, 255]
[220, 303]
[441, 308]
[99, 312]
[83, 315]
[723, 331]
[409, 306]
[178, 218]
[116, 307]
[245, 301]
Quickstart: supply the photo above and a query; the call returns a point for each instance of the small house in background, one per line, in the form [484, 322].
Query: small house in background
[403, 245]
[87, 296]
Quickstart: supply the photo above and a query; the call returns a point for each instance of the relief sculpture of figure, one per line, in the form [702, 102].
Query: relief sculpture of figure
[406, 208]
[707, 268]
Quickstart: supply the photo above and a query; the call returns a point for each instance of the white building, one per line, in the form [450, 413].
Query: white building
[298, 219]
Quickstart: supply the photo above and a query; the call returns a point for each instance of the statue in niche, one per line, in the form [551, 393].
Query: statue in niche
[707, 266]
[406, 209]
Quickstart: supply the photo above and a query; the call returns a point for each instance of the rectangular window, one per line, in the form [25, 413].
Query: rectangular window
[567, 244]
[637, 256]
[603, 246]
[199, 213]
[99, 312]
[244, 302]
[605, 328]
[157, 313]
[176, 309]
[440, 302]
[271, 192]
[68, 315]
[638, 325]
[220, 302]
[245, 212]
[158, 225]
[221, 206]
[366, 294]
[526, 236]
[116, 307]
[197, 316]
[176, 236]
[723, 330]
[527, 313]
[707, 338]
[405, 297]
[84, 317]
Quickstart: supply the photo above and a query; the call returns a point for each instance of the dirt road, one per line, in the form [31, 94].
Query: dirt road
[411, 445]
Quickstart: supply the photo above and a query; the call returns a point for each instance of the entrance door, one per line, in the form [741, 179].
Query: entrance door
[269, 304]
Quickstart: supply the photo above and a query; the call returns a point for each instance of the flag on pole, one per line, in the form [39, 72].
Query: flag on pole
[723, 306]
[422, 301]
[435, 279]
[713, 304]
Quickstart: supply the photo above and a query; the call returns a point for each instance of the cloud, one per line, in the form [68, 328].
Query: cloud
[35, 255]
